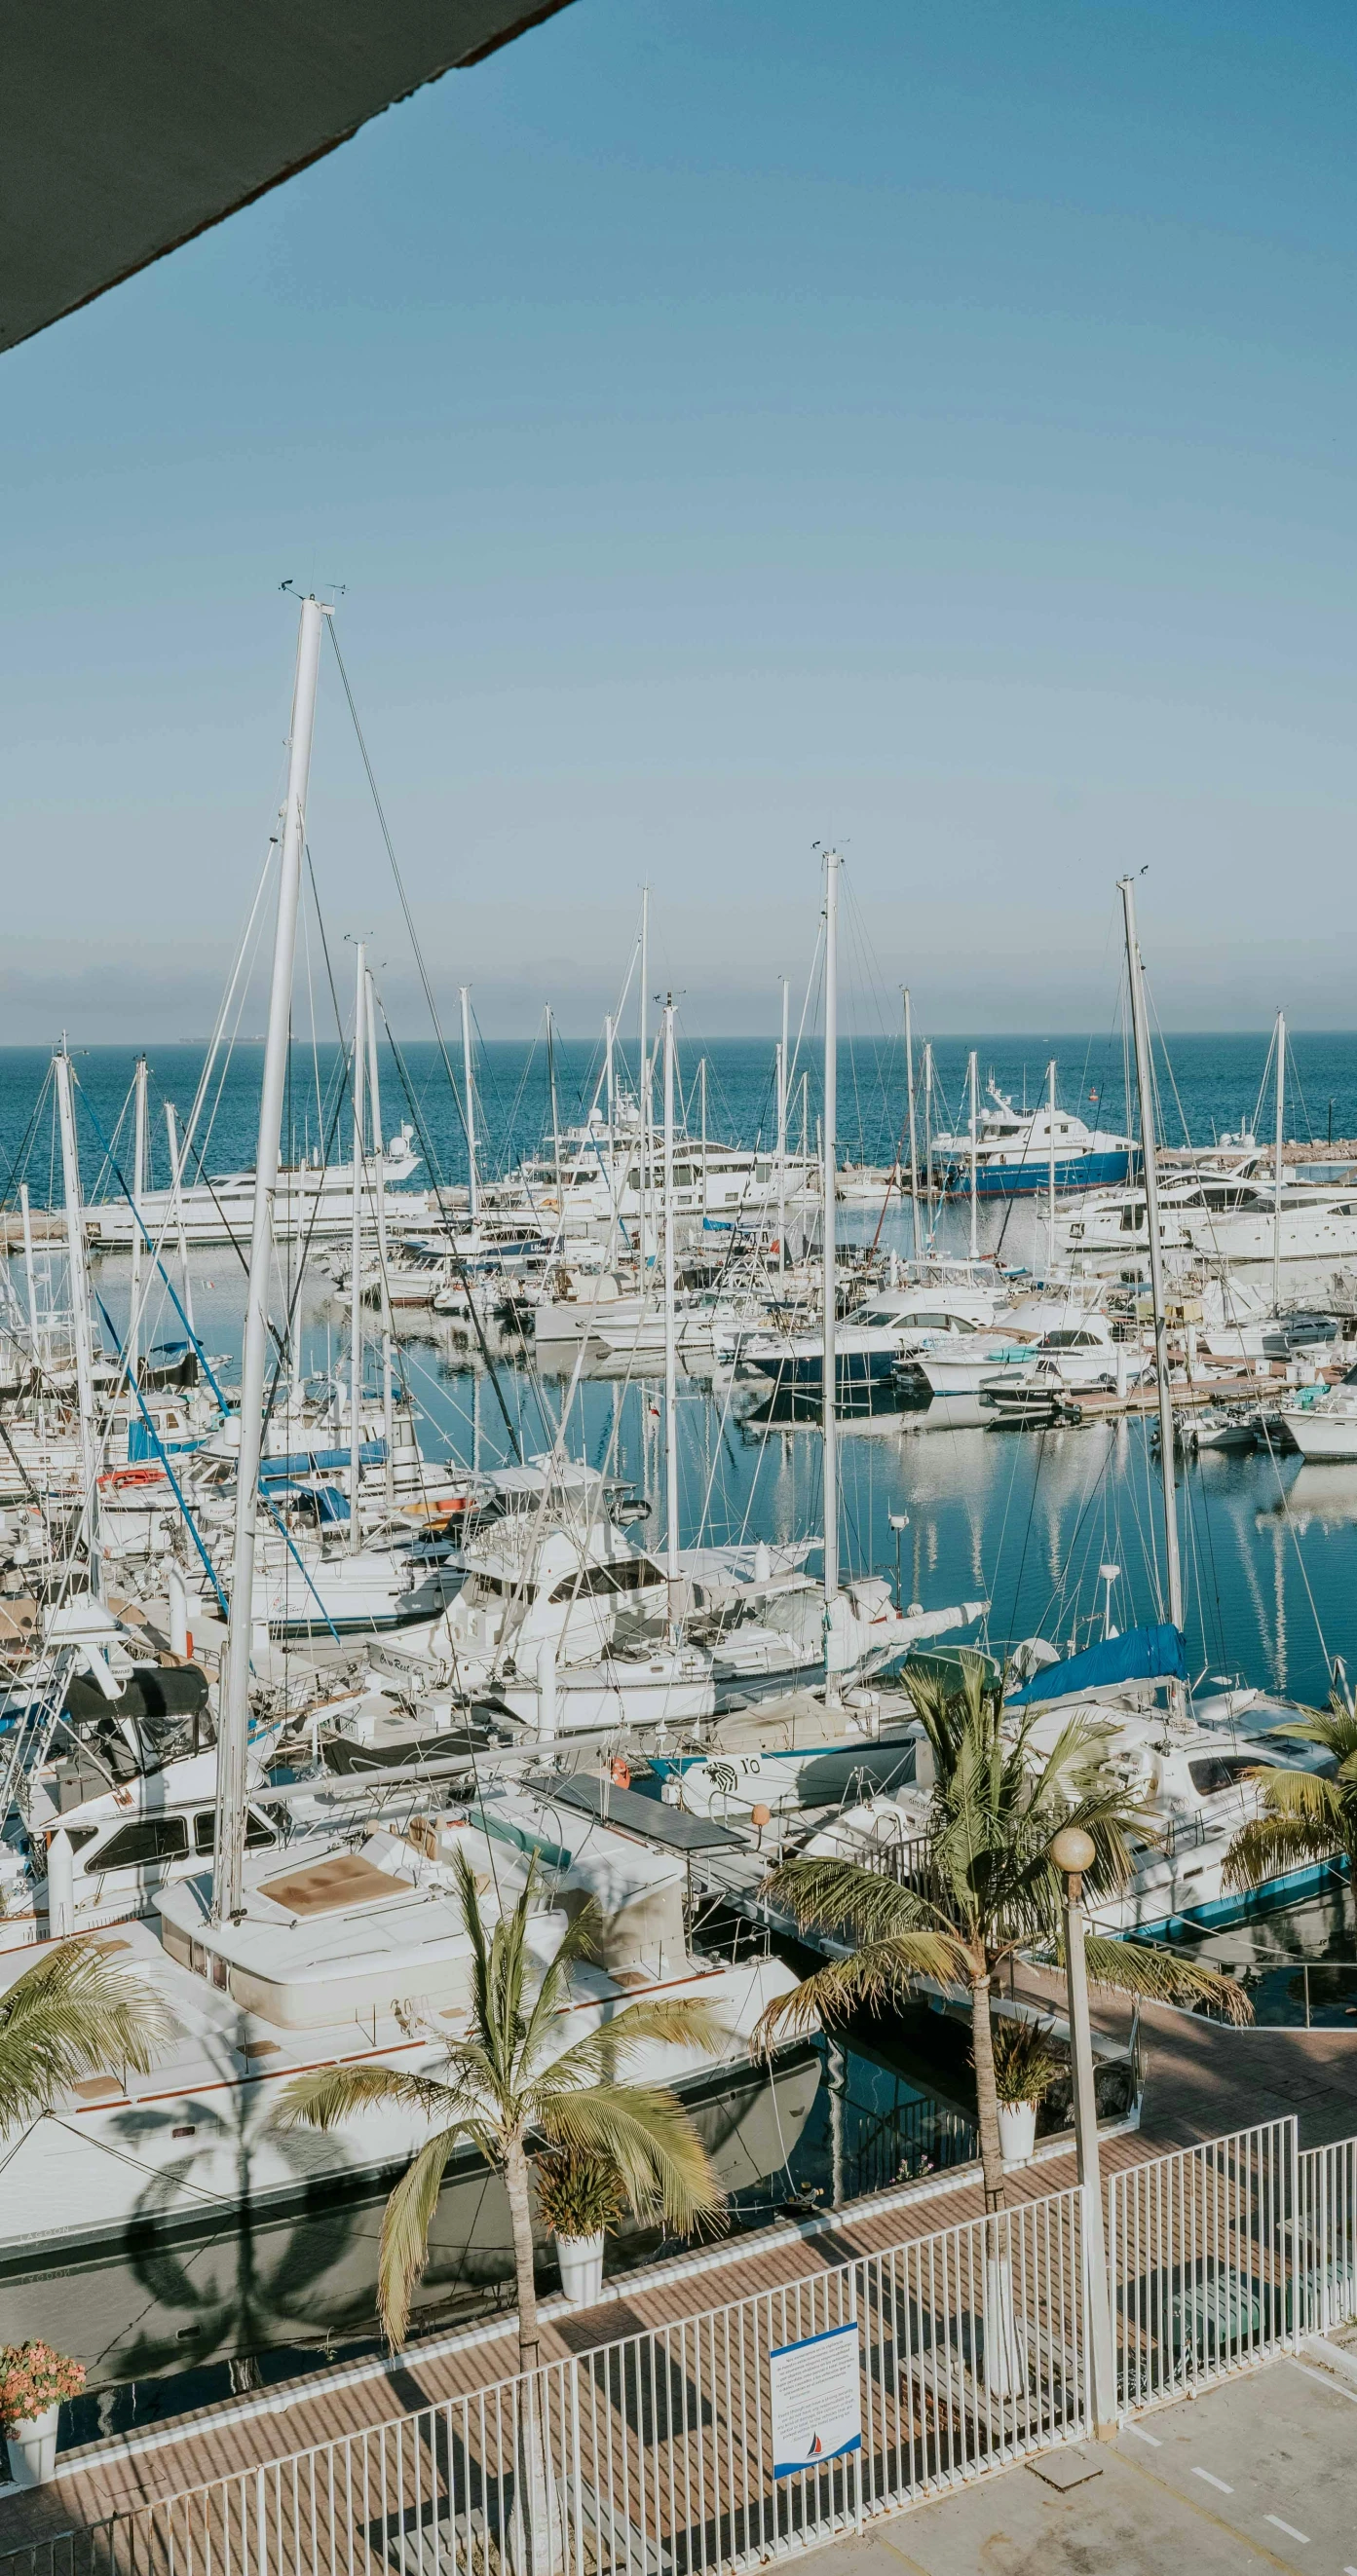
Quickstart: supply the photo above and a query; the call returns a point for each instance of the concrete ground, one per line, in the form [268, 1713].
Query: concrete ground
[1258, 2473]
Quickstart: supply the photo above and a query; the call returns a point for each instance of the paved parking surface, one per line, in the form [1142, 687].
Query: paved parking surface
[1259, 2473]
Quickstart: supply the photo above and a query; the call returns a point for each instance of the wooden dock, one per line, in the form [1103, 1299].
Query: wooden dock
[1203, 2080]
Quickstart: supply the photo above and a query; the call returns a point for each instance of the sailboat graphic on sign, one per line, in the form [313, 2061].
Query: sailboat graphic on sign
[816, 2448]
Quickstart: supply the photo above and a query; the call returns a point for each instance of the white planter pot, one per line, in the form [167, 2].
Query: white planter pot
[1017, 2131]
[33, 2448]
[581, 2262]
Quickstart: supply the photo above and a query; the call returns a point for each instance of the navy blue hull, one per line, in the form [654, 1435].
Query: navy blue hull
[852, 1368]
[1029, 1180]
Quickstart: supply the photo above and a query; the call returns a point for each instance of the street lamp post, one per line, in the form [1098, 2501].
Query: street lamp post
[899, 1522]
[1074, 1852]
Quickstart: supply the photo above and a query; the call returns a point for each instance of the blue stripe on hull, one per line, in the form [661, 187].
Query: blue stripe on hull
[1244, 1908]
[1028, 1180]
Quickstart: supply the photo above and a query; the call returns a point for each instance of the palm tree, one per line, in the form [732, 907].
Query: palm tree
[72, 2013]
[1305, 1816]
[990, 1888]
[510, 2093]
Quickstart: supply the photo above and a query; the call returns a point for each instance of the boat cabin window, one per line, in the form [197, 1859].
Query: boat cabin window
[1063, 1341]
[480, 1588]
[1133, 1218]
[935, 1323]
[629, 1574]
[258, 1832]
[139, 1846]
[1214, 1771]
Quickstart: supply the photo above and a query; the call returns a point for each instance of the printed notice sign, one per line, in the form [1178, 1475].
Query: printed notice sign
[817, 2400]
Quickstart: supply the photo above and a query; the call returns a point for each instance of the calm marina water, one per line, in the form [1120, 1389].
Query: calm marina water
[1025, 1521]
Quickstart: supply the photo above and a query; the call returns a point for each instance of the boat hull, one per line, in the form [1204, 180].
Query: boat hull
[1031, 1179]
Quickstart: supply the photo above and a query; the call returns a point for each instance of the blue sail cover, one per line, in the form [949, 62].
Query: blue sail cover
[1141, 1655]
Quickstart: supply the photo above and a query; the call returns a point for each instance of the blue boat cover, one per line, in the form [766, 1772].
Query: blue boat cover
[313, 1462]
[1141, 1655]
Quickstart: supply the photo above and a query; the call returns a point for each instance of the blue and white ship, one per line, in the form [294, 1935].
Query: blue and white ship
[1014, 1149]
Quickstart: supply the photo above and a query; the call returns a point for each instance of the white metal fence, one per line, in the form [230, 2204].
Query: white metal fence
[1199, 2255]
[653, 2456]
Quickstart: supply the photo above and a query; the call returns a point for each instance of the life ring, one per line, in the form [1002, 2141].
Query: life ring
[621, 1771]
[123, 1478]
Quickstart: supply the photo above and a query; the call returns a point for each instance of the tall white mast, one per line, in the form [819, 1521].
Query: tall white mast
[472, 1198]
[647, 1177]
[913, 1137]
[177, 1187]
[228, 1864]
[379, 1166]
[1145, 1085]
[702, 1087]
[360, 1012]
[80, 1312]
[138, 1194]
[928, 1128]
[555, 1124]
[1050, 1168]
[970, 1087]
[783, 1078]
[610, 1096]
[1277, 1166]
[30, 1271]
[829, 1406]
[671, 1481]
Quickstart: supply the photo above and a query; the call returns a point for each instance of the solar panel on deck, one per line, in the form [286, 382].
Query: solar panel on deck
[668, 1826]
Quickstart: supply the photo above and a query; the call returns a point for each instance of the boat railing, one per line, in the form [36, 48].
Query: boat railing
[1183, 1833]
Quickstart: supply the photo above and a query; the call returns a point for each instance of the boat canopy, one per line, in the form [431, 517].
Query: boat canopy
[1140, 1655]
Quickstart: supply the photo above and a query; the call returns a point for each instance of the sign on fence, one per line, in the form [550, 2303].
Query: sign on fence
[817, 2400]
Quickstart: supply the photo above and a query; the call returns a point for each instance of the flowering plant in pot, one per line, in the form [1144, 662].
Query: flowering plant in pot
[1027, 2061]
[580, 2196]
[33, 2381]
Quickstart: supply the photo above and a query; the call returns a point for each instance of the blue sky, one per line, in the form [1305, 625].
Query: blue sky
[736, 426]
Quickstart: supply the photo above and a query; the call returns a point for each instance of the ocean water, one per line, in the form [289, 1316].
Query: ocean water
[1208, 1085]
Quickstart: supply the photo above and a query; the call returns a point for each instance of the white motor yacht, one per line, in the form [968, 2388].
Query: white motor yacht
[314, 1200]
[891, 1325]
[360, 1957]
[1072, 1356]
[1326, 1426]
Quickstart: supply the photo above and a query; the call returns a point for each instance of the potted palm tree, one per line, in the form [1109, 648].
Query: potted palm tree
[990, 1890]
[512, 2092]
[73, 2013]
[1026, 2064]
[579, 2197]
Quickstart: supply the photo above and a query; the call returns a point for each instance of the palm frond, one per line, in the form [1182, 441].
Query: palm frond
[645, 2132]
[882, 1973]
[74, 2013]
[605, 2052]
[583, 1940]
[841, 1896]
[1270, 1845]
[1137, 1968]
[406, 2221]
[334, 2093]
